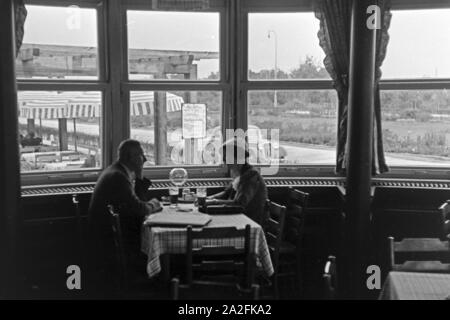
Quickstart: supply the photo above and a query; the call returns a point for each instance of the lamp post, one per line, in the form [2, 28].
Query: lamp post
[275, 100]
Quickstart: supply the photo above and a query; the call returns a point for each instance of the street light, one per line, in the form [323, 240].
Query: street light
[275, 100]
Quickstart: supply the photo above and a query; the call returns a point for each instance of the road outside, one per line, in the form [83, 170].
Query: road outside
[297, 153]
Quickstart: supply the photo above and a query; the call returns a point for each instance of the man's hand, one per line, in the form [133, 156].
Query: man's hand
[155, 204]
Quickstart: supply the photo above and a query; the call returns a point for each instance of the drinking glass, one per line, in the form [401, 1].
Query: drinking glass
[186, 193]
[201, 196]
[173, 195]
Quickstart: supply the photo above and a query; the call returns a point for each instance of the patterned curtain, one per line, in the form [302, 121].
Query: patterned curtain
[379, 163]
[334, 38]
[180, 4]
[20, 14]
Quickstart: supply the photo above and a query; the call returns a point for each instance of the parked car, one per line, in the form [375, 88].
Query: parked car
[262, 150]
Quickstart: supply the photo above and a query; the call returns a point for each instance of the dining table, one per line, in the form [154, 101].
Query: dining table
[159, 242]
[416, 286]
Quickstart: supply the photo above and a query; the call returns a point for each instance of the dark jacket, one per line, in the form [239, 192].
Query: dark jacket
[115, 187]
[251, 194]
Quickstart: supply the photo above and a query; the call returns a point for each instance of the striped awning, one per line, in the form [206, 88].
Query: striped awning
[75, 104]
[85, 105]
[44, 109]
[142, 103]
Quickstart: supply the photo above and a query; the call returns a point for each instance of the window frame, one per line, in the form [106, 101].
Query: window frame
[115, 86]
[416, 84]
[246, 85]
[99, 85]
[223, 85]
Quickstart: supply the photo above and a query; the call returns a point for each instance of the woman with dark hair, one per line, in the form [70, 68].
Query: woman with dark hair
[247, 188]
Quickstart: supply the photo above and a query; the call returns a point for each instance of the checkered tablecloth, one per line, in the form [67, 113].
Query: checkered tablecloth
[416, 286]
[161, 240]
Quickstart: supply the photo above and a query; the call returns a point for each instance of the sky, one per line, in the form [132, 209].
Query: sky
[419, 40]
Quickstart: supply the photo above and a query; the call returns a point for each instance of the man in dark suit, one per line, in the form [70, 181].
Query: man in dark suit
[122, 185]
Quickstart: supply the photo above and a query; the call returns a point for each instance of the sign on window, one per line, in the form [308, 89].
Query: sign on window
[194, 121]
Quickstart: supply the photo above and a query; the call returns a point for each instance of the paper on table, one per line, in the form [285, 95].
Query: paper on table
[178, 219]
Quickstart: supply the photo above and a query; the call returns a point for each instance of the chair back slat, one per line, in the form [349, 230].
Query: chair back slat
[273, 227]
[422, 245]
[298, 197]
[330, 279]
[208, 233]
[445, 210]
[217, 257]
[296, 216]
[423, 266]
[418, 254]
[273, 230]
[228, 266]
[215, 250]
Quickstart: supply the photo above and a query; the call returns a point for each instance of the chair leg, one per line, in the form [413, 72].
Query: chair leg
[174, 289]
[275, 287]
[298, 273]
[255, 292]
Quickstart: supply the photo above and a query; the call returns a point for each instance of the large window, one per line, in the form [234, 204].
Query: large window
[415, 102]
[59, 130]
[59, 115]
[59, 43]
[419, 45]
[286, 43]
[173, 45]
[188, 125]
[416, 127]
[92, 73]
[285, 91]
[306, 120]
[180, 53]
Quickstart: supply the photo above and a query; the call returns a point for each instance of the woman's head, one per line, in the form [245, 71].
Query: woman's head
[235, 155]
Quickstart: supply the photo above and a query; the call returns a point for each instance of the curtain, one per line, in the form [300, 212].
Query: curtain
[20, 14]
[180, 4]
[382, 39]
[334, 38]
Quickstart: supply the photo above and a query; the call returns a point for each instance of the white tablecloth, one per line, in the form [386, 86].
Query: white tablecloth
[416, 286]
[161, 240]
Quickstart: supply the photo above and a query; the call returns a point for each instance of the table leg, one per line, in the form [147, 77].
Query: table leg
[165, 267]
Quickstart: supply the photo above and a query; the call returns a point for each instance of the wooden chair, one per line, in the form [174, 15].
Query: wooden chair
[292, 243]
[419, 255]
[273, 231]
[119, 250]
[330, 280]
[409, 223]
[216, 267]
[445, 212]
[79, 228]
[130, 283]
